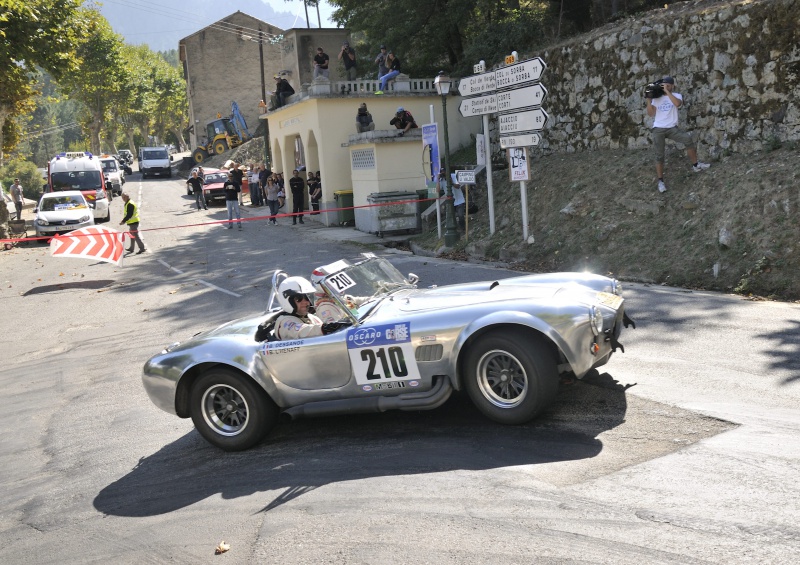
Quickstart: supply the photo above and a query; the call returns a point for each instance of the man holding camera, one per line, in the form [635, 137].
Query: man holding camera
[348, 56]
[662, 104]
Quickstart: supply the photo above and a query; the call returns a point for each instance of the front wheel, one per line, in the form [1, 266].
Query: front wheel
[510, 377]
[220, 146]
[230, 411]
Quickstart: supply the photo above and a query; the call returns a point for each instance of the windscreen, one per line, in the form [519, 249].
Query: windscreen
[366, 281]
[56, 203]
[76, 180]
[215, 178]
[155, 154]
[109, 166]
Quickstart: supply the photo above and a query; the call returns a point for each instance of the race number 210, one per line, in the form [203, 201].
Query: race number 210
[391, 359]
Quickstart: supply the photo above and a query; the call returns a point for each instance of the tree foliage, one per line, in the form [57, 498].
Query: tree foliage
[33, 34]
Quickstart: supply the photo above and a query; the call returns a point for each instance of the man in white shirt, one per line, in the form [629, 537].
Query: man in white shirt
[665, 126]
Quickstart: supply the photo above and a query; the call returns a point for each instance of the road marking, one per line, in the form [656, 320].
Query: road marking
[201, 281]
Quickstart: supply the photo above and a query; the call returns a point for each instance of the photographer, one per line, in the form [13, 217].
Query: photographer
[403, 120]
[662, 104]
[348, 56]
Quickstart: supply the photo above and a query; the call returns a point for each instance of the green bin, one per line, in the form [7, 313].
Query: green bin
[344, 199]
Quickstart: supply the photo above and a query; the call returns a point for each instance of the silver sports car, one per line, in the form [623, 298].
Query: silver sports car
[505, 342]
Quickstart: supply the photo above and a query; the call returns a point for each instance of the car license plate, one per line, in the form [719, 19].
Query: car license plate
[610, 300]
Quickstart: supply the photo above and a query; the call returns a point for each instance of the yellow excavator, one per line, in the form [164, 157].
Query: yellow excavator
[222, 134]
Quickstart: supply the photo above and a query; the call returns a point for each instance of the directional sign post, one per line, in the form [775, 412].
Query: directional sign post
[530, 140]
[477, 84]
[532, 120]
[526, 71]
[478, 106]
[525, 97]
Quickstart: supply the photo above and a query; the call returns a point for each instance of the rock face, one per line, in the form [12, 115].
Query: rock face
[737, 65]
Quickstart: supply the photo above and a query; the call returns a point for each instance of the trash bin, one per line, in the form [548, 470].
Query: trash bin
[344, 199]
[393, 212]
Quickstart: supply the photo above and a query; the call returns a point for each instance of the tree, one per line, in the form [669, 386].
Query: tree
[34, 33]
[98, 81]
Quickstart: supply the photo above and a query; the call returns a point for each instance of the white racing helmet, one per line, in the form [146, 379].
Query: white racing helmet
[291, 287]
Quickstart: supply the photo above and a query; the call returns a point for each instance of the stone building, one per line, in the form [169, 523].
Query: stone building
[221, 65]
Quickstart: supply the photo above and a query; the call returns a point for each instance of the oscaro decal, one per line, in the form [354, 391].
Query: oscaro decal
[364, 336]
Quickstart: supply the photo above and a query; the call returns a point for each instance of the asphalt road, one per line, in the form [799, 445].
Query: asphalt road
[684, 449]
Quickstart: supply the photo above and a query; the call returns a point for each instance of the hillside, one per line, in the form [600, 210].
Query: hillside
[733, 228]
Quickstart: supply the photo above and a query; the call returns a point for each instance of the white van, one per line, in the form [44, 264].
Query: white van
[80, 170]
[155, 161]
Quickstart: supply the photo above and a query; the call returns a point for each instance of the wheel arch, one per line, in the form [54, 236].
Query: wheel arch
[519, 322]
[183, 392]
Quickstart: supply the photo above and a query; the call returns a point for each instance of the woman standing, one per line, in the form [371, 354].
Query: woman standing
[272, 200]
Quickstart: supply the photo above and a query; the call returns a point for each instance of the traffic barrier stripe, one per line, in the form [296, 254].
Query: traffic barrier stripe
[267, 217]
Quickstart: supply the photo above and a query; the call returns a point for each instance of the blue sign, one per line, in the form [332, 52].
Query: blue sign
[430, 139]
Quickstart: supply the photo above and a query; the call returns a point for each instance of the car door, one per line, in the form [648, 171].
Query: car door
[310, 363]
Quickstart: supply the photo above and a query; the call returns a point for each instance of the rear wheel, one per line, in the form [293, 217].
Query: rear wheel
[231, 411]
[220, 146]
[511, 378]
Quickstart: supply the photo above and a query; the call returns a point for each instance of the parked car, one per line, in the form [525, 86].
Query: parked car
[113, 173]
[61, 212]
[213, 190]
[505, 342]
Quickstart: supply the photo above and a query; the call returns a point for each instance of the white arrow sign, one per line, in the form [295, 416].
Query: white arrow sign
[532, 120]
[525, 71]
[477, 106]
[529, 140]
[477, 84]
[520, 98]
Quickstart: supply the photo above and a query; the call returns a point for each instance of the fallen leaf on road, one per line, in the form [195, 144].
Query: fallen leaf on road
[222, 548]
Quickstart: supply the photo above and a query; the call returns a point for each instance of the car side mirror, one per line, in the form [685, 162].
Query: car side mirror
[108, 185]
[36, 210]
[170, 157]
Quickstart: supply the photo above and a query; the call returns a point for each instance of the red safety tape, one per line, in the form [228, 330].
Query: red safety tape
[267, 217]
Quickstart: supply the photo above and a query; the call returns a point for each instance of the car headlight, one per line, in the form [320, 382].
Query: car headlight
[42, 222]
[596, 319]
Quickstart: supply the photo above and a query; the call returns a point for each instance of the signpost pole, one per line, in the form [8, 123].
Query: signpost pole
[489, 186]
[523, 196]
[436, 182]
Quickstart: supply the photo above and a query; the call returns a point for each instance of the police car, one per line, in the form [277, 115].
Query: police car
[504, 342]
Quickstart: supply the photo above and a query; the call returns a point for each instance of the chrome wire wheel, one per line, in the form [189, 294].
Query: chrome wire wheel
[502, 379]
[225, 410]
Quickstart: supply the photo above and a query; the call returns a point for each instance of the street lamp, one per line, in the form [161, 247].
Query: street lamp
[451, 235]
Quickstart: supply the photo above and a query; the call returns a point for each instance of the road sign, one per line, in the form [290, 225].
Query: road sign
[529, 140]
[532, 120]
[478, 106]
[477, 84]
[92, 242]
[526, 71]
[465, 177]
[520, 98]
[518, 164]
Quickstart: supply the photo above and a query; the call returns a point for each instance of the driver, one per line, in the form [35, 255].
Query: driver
[298, 322]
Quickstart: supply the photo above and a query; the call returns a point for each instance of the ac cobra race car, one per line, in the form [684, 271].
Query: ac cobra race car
[505, 342]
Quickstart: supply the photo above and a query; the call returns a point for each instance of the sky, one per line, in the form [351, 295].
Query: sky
[162, 23]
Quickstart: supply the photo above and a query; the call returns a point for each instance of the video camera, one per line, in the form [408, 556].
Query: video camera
[654, 89]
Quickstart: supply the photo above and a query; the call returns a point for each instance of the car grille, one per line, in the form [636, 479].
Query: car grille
[429, 353]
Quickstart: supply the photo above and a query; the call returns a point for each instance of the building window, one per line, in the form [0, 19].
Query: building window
[363, 159]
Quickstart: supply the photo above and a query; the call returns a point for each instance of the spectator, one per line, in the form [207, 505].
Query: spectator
[321, 61]
[297, 185]
[283, 90]
[393, 63]
[314, 193]
[348, 56]
[263, 175]
[459, 203]
[364, 119]
[232, 190]
[665, 126]
[197, 189]
[381, 61]
[17, 197]
[255, 186]
[403, 120]
[273, 202]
